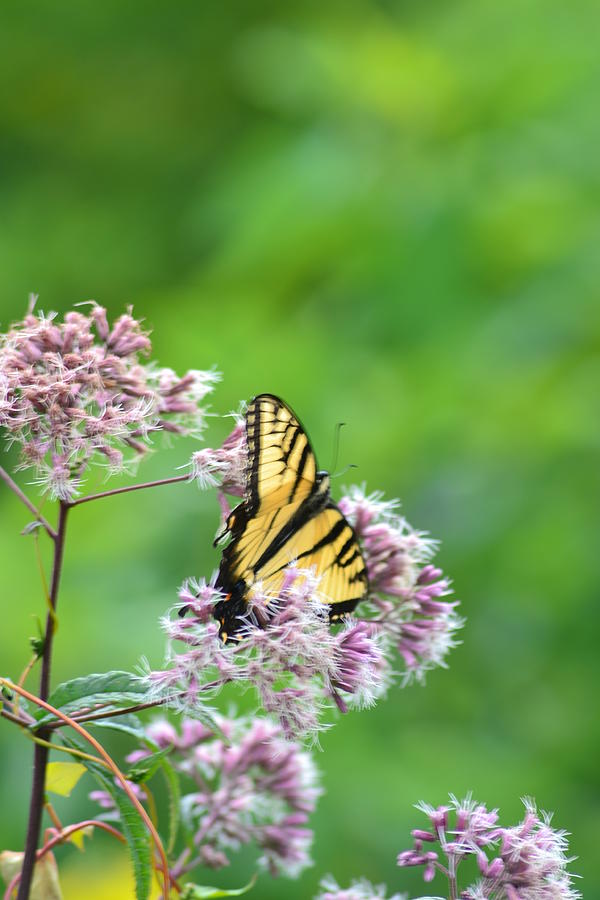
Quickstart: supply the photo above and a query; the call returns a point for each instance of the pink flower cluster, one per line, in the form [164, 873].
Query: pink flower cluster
[407, 601]
[358, 890]
[225, 467]
[248, 785]
[76, 391]
[406, 591]
[289, 653]
[525, 862]
[285, 646]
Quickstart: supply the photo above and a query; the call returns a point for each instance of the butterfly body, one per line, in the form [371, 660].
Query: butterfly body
[287, 516]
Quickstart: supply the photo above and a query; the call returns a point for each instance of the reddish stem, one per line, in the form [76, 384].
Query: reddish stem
[112, 713]
[12, 718]
[110, 765]
[61, 838]
[131, 487]
[25, 499]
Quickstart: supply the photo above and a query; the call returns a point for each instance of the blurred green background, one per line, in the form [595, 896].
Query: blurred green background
[387, 213]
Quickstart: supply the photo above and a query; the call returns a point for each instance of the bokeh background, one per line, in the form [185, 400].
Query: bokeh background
[387, 213]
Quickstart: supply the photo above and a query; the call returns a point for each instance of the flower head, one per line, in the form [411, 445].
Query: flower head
[362, 669]
[358, 890]
[525, 862]
[532, 861]
[282, 642]
[284, 648]
[76, 391]
[254, 788]
[224, 467]
[406, 590]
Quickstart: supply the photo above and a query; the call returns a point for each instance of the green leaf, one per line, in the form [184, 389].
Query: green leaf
[111, 688]
[37, 645]
[134, 829]
[174, 792]
[128, 723]
[31, 528]
[38, 642]
[131, 724]
[145, 768]
[200, 892]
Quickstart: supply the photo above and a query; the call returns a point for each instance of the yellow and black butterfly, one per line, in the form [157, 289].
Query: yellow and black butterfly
[287, 516]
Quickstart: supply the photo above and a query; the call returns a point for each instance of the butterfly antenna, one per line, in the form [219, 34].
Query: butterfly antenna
[336, 445]
[333, 473]
[344, 470]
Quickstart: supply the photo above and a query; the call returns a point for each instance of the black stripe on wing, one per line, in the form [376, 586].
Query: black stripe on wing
[302, 515]
[301, 467]
[296, 432]
[331, 535]
[271, 423]
[346, 555]
[252, 466]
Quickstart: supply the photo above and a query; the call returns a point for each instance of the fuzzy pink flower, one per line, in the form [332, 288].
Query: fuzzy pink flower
[362, 669]
[76, 392]
[530, 861]
[286, 651]
[224, 467]
[254, 788]
[406, 592]
[358, 890]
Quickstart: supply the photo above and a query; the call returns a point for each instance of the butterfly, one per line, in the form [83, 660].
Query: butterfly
[287, 516]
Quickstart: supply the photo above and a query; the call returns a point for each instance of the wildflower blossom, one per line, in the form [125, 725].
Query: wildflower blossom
[284, 645]
[256, 787]
[259, 788]
[224, 467]
[525, 862]
[76, 391]
[358, 890]
[286, 651]
[406, 591]
[363, 671]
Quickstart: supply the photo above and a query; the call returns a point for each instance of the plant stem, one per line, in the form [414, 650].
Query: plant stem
[60, 838]
[452, 878]
[24, 499]
[40, 754]
[113, 713]
[131, 487]
[70, 750]
[114, 769]
[12, 718]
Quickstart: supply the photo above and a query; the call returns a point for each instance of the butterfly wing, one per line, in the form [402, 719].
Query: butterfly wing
[286, 517]
[327, 544]
[282, 468]
[280, 479]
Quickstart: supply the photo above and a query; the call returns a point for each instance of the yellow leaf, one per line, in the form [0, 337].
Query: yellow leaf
[45, 884]
[78, 836]
[61, 777]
